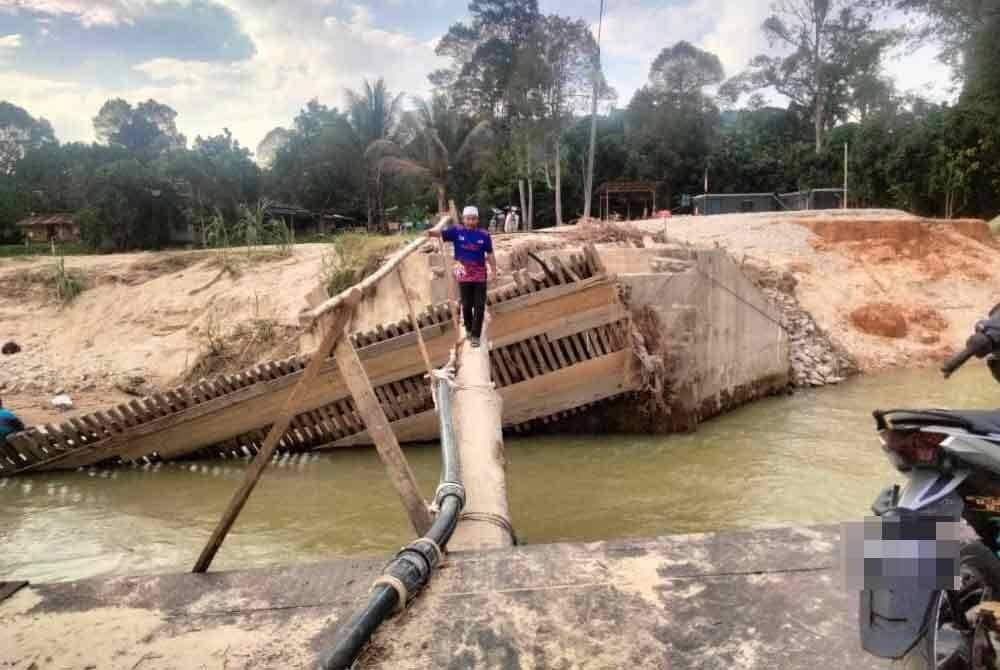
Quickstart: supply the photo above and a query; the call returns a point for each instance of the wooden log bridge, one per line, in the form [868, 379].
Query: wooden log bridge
[560, 342]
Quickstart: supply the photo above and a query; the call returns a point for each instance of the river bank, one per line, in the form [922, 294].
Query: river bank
[810, 458]
[866, 290]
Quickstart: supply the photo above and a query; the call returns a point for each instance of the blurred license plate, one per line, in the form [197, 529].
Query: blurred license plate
[901, 553]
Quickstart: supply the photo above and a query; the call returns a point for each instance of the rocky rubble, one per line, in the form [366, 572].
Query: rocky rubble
[816, 359]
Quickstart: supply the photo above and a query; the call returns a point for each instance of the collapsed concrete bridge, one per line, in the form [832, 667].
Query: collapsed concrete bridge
[562, 340]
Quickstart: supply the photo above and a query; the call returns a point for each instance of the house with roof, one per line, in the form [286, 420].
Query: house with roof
[50, 227]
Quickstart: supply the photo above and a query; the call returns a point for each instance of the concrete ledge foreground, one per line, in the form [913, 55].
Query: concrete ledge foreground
[764, 599]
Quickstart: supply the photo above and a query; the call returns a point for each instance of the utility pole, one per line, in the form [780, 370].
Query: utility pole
[845, 175]
[589, 188]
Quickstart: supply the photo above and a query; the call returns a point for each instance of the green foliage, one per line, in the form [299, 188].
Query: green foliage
[28, 251]
[506, 119]
[282, 236]
[67, 286]
[353, 257]
[147, 130]
[20, 133]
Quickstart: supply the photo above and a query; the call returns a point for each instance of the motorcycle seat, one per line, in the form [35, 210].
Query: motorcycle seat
[979, 421]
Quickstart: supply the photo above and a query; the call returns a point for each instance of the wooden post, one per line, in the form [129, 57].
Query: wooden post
[381, 434]
[415, 322]
[334, 328]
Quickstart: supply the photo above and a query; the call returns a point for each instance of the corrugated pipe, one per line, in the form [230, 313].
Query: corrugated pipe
[412, 567]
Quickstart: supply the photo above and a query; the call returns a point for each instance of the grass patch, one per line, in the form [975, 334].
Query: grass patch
[67, 286]
[28, 251]
[54, 282]
[355, 256]
[226, 352]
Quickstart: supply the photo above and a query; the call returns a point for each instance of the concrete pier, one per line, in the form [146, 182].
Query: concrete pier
[764, 599]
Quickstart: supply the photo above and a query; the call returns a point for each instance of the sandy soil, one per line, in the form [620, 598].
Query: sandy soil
[149, 315]
[894, 289]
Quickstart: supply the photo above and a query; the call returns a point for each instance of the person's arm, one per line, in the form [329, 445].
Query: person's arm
[492, 260]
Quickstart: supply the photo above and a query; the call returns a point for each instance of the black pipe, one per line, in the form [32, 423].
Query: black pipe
[413, 565]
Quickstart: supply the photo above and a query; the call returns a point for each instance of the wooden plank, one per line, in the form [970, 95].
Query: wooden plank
[59, 437]
[129, 414]
[568, 272]
[501, 365]
[141, 413]
[96, 427]
[383, 400]
[349, 415]
[385, 441]
[550, 353]
[24, 445]
[526, 355]
[255, 406]
[539, 356]
[547, 395]
[516, 374]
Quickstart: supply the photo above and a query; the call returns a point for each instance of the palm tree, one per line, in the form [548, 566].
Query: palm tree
[374, 115]
[444, 139]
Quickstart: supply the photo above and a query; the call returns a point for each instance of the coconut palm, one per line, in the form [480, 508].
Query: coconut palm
[443, 138]
[374, 115]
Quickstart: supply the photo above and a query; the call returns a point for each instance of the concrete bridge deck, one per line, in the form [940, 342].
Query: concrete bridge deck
[764, 599]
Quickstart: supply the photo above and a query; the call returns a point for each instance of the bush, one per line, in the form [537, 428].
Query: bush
[67, 286]
[355, 256]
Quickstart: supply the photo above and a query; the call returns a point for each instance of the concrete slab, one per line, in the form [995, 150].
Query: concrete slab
[766, 599]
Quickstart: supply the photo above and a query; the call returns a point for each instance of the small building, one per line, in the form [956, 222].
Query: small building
[817, 198]
[742, 203]
[50, 227]
[627, 199]
[736, 203]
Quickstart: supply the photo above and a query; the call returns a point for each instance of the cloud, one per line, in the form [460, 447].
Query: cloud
[10, 41]
[89, 13]
[317, 48]
[303, 49]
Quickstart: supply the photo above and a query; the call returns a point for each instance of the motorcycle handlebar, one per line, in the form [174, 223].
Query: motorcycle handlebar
[978, 345]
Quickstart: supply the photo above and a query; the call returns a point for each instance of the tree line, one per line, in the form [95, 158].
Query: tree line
[508, 122]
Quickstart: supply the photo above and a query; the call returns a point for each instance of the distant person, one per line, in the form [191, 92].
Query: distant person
[498, 220]
[510, 223]
[9, 424]
[473, 250]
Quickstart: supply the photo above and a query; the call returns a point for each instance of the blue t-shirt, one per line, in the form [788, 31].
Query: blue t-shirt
[9, 424]
[471, 247]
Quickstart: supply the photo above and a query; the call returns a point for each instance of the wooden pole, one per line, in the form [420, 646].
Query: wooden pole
[452, 297]
[381, 434]
[334, 324]
[416, 324]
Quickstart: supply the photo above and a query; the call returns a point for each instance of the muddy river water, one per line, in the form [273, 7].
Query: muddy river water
[809, 458]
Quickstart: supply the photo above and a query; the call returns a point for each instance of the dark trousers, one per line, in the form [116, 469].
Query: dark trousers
[473, 306]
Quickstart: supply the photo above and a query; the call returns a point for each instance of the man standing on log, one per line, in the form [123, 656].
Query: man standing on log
[473, 249]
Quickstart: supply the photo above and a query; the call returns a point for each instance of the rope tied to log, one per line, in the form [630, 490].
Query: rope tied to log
[399, 587]
[501, 522]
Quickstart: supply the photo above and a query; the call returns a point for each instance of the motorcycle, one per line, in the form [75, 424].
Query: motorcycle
[919, 601]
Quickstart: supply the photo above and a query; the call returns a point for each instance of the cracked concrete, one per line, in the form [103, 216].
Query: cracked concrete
[764, 599]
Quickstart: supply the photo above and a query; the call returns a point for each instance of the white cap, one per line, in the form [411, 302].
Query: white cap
[470, 211]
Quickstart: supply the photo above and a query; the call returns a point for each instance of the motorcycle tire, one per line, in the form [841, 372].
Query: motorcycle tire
[974, 558]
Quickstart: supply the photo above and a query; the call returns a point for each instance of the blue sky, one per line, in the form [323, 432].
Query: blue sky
[251, 64]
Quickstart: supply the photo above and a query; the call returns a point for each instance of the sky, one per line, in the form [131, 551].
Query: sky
[250, 65]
